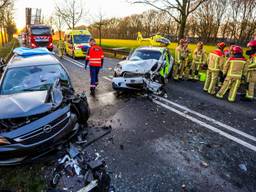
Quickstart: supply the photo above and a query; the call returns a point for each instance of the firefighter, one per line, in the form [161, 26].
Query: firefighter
[199, 58]
[251, 75]
[61, 48]
[180, 60]
[233, 69]
[215, 63]
[94, 57]
[187, 63]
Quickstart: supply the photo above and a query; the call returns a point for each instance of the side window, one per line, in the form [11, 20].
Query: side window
[69, 39]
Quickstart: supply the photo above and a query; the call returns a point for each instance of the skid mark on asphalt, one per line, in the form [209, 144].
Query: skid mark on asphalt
[183, 111]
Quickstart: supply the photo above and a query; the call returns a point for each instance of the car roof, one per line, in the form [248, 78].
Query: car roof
[34, 60]
[161, 49]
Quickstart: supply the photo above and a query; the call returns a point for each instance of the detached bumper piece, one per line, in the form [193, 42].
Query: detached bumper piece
[137, 83]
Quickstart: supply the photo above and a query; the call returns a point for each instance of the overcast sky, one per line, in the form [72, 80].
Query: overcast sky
[109, 8]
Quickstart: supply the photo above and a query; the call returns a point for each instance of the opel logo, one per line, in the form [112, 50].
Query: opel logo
[47, 128]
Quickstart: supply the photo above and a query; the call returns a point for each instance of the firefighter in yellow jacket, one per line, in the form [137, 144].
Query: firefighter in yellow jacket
[251, 75]
[181, 59]
[199, 58]
[215, 62]
[233, 69]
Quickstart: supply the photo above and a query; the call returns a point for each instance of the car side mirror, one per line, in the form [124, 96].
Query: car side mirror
[2, 66]
[2, 62]
[124, 57]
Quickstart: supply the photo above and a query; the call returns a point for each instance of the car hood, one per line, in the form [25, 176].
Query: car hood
[24, 104]
[141, 66]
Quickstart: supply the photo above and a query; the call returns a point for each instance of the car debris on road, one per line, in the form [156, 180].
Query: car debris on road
[92, 171]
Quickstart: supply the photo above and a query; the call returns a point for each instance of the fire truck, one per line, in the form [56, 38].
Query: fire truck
[39, 35]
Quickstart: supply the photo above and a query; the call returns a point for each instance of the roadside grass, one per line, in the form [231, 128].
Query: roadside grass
[130, 44]
[6, 51]
[22, 178]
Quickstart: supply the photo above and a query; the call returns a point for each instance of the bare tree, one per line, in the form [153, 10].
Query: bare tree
[58, 23]
[71, 11]
[99, 23]
[179, 10]
[5, 3]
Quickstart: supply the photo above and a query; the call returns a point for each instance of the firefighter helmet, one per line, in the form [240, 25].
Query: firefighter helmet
[252, 43]
[237, 49]
[221, 45]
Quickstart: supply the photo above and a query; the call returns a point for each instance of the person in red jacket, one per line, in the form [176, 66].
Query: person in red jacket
[95, 58]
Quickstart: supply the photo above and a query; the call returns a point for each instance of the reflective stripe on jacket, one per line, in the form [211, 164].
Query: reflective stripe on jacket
[252, 65]
[199, 56]
[216, 60]
[234, 67]
[95, 56]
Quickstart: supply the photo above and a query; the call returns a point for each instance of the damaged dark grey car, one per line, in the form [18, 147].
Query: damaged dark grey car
[38, 108]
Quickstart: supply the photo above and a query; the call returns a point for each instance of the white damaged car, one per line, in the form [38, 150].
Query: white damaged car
[145, 68]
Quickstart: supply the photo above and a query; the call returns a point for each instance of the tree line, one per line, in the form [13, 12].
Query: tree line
[7, 24]
[206, 20]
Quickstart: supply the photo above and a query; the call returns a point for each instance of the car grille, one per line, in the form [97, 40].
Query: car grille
[42, 44]
[131, 75]
[44, 132]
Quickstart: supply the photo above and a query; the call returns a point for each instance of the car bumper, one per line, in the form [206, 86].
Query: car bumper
[121, 83]
[18, 153]
[79, 53]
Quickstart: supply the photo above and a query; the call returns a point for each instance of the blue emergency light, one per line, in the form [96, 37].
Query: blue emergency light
[24, 51]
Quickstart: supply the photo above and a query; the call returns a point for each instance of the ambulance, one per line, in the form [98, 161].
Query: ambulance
[77, 43]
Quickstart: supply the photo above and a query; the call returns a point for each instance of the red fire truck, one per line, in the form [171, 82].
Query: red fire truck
[39, 36]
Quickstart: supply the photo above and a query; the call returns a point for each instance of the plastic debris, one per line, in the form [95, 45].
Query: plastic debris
[243, 167]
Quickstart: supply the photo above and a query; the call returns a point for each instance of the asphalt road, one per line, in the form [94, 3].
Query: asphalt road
[188, 142]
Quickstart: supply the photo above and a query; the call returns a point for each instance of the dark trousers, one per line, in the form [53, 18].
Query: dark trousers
[94, 72]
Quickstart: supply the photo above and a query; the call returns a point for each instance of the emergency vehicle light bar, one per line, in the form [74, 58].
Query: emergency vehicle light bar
[24, 51]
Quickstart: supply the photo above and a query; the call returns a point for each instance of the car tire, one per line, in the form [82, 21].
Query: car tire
[81, 108]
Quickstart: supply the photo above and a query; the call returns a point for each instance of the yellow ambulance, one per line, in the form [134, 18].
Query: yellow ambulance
[77, 42]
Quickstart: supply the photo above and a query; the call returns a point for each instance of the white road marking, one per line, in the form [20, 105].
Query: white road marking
[208, 119]
[79, 64]
[210, 127]
[107, 78]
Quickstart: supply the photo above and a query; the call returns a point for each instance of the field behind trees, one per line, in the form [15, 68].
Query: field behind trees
[130, 44]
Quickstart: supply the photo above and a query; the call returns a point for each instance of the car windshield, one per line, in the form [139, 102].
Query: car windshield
[145, 55]
[79, 39]
[41, 31]
[33, 78]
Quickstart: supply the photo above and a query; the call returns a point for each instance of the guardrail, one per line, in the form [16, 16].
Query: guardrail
[117, 51]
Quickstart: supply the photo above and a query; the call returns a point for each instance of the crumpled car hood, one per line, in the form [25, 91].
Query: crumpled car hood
[141, 66]
[23, 104]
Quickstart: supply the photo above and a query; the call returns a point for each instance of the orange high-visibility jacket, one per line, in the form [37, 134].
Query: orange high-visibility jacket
[95, 56]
